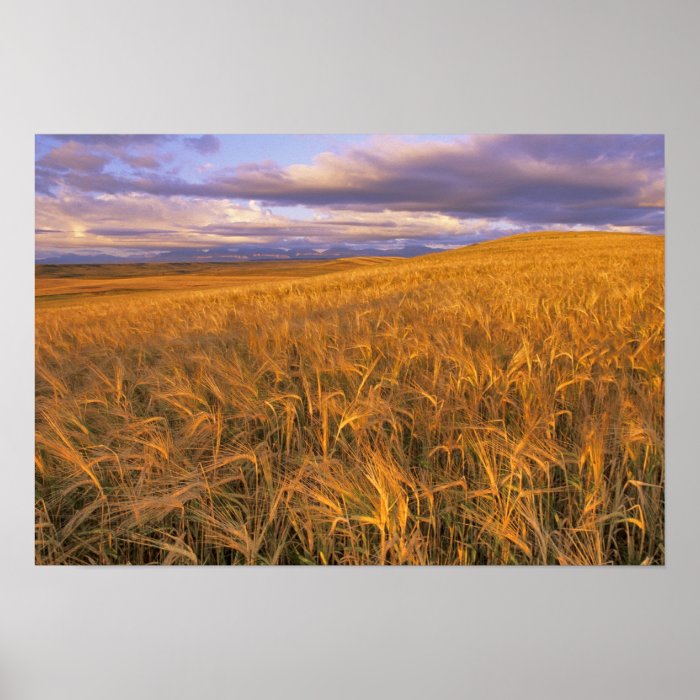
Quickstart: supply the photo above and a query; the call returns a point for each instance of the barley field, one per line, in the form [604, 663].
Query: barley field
[497, 404]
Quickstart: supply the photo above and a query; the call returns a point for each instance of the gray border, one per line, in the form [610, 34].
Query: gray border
[498, 66]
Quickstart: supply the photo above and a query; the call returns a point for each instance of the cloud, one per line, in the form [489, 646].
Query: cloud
[145, 221]
[75, 157]
[124, 192]
[204, 144]
[90, 156]
[148, 162]
[592, 180]
[572, 179]
[112, 140]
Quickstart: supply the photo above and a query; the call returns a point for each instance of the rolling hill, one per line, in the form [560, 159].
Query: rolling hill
[497, 404]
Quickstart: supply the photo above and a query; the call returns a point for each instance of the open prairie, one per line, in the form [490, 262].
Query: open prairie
[75, 282]
[497, 404]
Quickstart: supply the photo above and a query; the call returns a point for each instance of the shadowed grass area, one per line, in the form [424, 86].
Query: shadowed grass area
[498, 404]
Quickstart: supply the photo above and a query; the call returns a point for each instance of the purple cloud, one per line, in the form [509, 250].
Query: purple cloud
[203, 144]
[72, 156]
[145, 192]
[591, 180]
[91, 153]
[113, 140]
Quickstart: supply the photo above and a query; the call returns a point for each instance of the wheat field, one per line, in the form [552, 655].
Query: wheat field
[498, 404]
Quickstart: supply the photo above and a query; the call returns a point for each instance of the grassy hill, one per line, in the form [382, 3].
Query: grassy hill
[498, 404]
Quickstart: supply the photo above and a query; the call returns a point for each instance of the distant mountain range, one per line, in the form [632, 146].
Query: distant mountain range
[250, 253]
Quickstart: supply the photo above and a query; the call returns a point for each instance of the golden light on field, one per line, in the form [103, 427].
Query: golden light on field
[497, 404]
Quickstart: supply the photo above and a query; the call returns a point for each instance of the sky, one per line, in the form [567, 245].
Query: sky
[153, 198]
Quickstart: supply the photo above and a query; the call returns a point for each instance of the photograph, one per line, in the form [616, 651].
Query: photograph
[349, 349]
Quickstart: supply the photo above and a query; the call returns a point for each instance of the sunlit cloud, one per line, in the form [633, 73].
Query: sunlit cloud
[149, 194]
